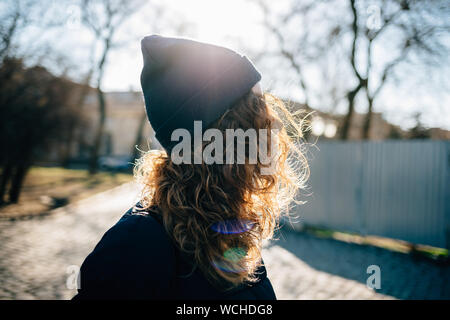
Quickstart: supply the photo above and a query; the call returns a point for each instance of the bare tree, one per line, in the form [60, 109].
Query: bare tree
[35, 111]
[418, 25]
[16, 15]
[349, 31]
[76, 126]
[297, 54]
[104, 18]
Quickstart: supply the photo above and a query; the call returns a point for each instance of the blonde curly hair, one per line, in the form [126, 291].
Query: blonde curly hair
[219, 214]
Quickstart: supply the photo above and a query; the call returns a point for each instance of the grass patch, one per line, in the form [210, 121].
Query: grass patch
[46, 188]
[433, 253]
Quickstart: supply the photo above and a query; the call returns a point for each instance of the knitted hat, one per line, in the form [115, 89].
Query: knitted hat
[185, 81]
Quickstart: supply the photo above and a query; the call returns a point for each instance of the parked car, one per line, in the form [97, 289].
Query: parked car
[115, 163]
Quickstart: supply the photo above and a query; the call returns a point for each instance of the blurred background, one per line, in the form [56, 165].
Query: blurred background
[369, 76]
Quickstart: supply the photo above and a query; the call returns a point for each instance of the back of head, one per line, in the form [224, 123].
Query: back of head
[218, 212]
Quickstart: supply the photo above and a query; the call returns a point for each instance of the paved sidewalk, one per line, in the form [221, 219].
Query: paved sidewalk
[35, 254]
[302, 266]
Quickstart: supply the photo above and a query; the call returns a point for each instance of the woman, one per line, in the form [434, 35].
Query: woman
[197, 231]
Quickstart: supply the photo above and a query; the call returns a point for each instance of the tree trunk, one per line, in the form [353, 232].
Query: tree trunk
[351, 109]
[17, 182]
[75, 134]
[93, 163]
[361, 82]
[67, 145]
[6, 176]
[368, 120]
[139, 137]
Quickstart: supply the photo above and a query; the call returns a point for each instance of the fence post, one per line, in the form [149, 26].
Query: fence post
[359, 162]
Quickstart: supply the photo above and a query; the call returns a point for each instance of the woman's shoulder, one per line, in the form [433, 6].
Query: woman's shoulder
[135, 229]
[134, 254]
[139, 233]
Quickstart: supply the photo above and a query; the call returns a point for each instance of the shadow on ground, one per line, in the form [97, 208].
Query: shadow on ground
[402, 275]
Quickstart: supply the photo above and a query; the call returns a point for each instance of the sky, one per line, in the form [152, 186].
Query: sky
[236, 24]
[219, 22]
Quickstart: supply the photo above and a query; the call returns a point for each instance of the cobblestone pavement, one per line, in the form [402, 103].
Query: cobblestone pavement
[35, 255]
[302, 266]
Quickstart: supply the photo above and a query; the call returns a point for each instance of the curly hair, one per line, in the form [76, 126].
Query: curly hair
[219, 214]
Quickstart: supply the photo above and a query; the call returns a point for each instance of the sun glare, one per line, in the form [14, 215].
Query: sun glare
[221, 22]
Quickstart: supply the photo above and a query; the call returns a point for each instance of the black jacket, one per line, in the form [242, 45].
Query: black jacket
[136, 259]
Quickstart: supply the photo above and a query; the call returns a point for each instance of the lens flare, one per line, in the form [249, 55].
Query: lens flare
[234, 254]
[230, 261]
[232, 226]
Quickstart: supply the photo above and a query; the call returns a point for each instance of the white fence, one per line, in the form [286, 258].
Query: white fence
[396, 189]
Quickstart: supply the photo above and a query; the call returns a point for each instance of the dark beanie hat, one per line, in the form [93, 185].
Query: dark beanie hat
[185, 81]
